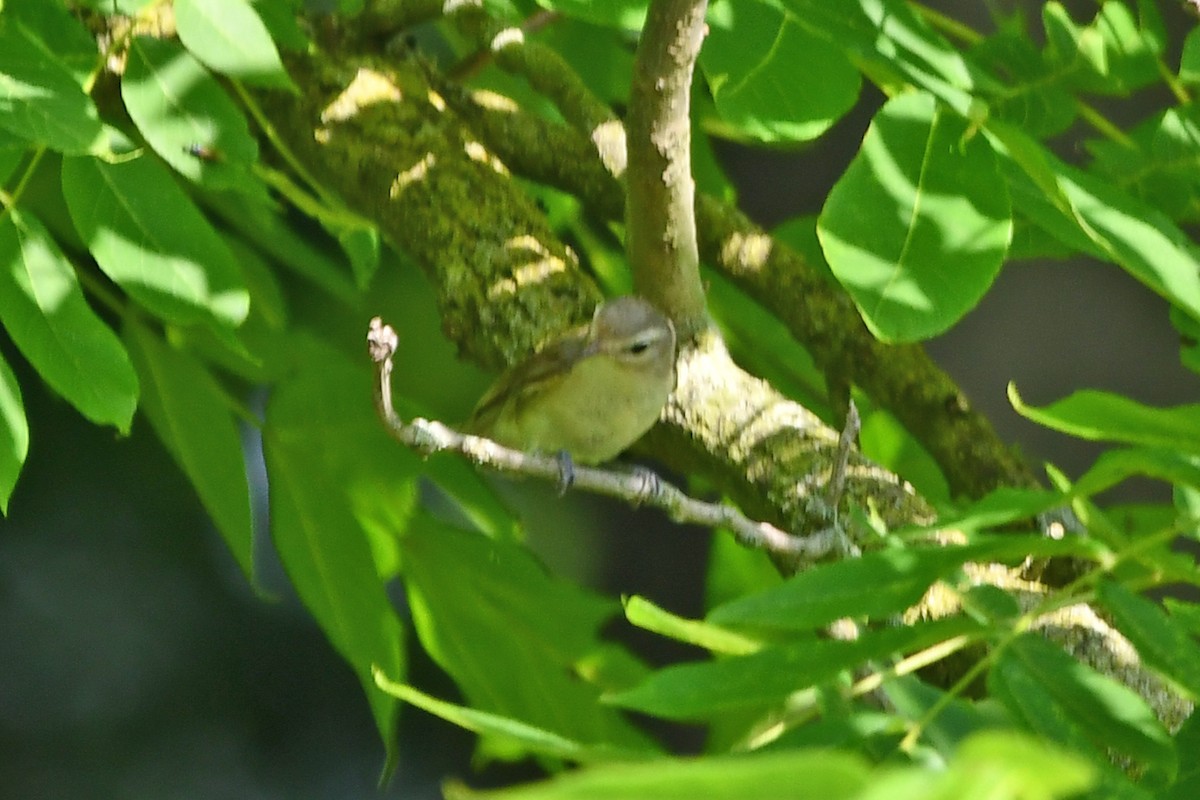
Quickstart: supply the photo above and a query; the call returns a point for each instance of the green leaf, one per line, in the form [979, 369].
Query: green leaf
[283, 22]
[230, 38]
[182, 111]
[1057, 696]
[361, 244]
[991, 765]
[1012, 548]
[626, 15]
[74, 47]
[14, 433]
[771, 79]
[40, 99]
[801, 775]
[734, 570]
[262, 282]
[893, 46]
[474, 497]
[1111, 55]
[1187, 783]
[1159, 162]
[190, 413]
[1102, 416]
[1184, 613]
[1003, 506]
[1189, 59]
[598, 54]
[263, 226]
[328, 460]
[880, 583]
[1034, 95]
[519, 735]
[1115, 466]
[153, 242]
[1164, 645]
[707, 689]
[510, 635]
[918, 226]
[911, 700]
[1094, 216]
[646, 615]
[44, 311]
[12, 153]
[1140, 239]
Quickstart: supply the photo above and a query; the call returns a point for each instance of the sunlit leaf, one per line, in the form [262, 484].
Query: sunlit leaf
[771, 79]
[800, 775]
[628, 15]
[879, 583]
[892, 45]
[918, 226]
[991, 765]
[1110, 55]
[71, 45]
[1097, 218]
[707, 689]
[44, 311]
[1189, 60]
[186, 116]
[1103, 416]
[41, 101]
[520, 735]
[647, 615]
[14, 433]
[153, 242]
[230, 38]
[1115, 466]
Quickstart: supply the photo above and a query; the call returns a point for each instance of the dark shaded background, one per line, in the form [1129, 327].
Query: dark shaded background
[135, 662]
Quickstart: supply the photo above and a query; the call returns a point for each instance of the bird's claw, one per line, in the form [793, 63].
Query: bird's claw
[566, 472]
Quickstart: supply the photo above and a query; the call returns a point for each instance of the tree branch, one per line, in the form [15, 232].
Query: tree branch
[660, 223]
[641, 487]
[505, 283]
[385, 141]
[901, 378]
[399, 155]
[550, 75]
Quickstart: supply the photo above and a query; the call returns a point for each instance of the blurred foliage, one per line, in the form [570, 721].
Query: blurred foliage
[154, 260]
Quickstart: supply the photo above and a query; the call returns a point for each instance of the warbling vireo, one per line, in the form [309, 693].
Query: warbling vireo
[591, 393]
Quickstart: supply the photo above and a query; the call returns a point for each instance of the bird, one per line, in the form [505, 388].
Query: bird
[589, 394]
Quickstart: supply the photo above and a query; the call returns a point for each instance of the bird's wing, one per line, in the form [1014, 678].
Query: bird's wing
[532, 375]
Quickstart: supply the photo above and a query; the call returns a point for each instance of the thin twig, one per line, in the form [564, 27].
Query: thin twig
[849, 435]
[641, 487]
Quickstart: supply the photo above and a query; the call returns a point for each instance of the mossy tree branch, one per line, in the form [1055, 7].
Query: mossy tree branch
[391, 147]
[400, 155]
[901, 378]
